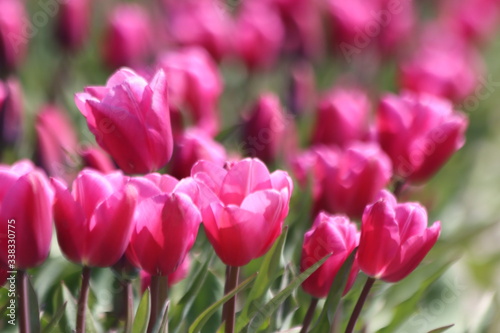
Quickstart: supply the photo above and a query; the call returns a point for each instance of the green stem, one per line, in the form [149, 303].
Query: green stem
[24, 302]
[230, 306]
[82, 300]
[359, 304]
[159, 296]
[129, 294]
[309, 315]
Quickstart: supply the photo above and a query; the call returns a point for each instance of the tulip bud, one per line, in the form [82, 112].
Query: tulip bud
[194, 145]
[14, 34]
[94, 220]
[57, 143]
[259, 35]
[128, 36]
[394, 238]
[419, 133]
[166, 225]
[264, 129]
[130, 120]
[96, 158]
[342, 117]
[11, 112]
[25, 216]
[73, 23]
[194, 83]
[247, 209]
[329, 234]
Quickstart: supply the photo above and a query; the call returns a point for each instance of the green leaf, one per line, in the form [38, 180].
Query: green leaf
[69, 318]
[326, 318]
[55, 319]
[34, 310]
[197, 283]
[266, 311]
[142, 315]
[268, 272]
[202, 318]
[161, 325]
[441, 329]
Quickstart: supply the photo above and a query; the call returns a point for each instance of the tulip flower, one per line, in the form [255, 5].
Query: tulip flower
[329, 234]
[57, 143]
[444, 64]
[130, 120]
[166, 225]
[73, 23]
[259, 34]
[264, 128]
[13, 36]
[11, 112]
[190, 147]
[252, 204]
[128, 38]
[24, 186]
[420, 133]
[342, 117]
[94, 220]
[96, 158]
[394, 238]
[195, 84]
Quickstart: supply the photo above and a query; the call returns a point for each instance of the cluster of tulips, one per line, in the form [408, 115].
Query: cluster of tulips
[134, 199]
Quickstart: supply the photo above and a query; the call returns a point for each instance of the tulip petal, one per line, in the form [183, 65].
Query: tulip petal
[412, 220]
[89, 189]
[165, 183]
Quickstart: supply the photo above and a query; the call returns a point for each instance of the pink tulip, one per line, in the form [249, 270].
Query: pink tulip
[259, 35]
[94, 220]
[14, 34]
[394, 238]
[130, 120]
[420, 133]
[329, 234]
[203, 23]
[195, 84]
[178, 275]
[264, 129]
[194, 145]
[444, 64]
[128, 37]
[11, 112]
[342, 117]
[25, 216]
[57, 146]
[96, 158]
[246, 209]
[166, 225]
[73, 23]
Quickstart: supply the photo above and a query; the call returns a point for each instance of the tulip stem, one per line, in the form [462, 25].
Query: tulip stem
[82, 300]
[129, 317]
[309, 315]
[359, 304]
[228, 310]
[159, 296]
[24, 302]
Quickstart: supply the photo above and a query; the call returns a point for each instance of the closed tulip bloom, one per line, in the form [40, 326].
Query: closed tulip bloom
[420, 133]
[245, 220]
[195, 84]
[130, 119]
[13, 39]
[194, 145]
[128, 36]
[264, 128]
[342, 117]
[94, 219]
[57, 143]
[73, 23]
[166, 225]
[333, 234]
[259, 34]
[11, 112]
[394, 238]
[26, 199]
[96, 158]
